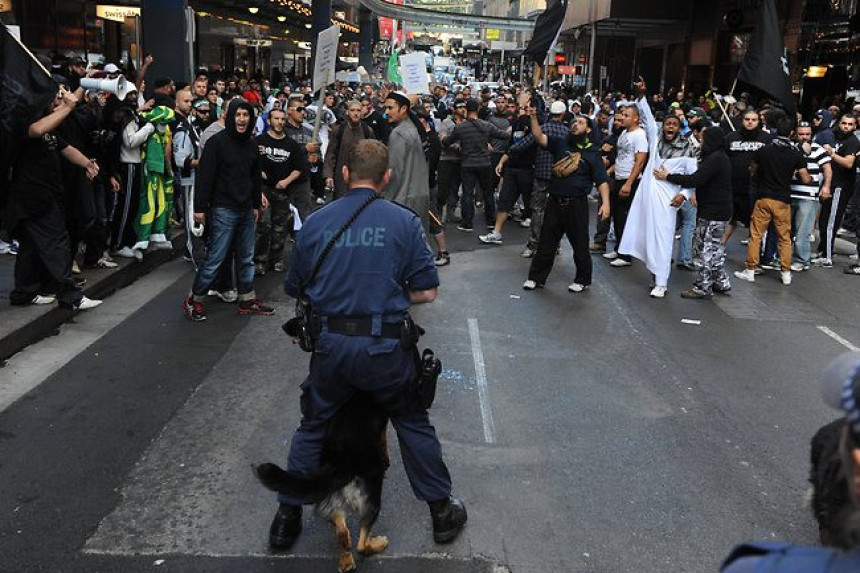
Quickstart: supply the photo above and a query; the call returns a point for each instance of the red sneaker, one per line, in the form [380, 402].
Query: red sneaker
[194, 310]
[253, 306]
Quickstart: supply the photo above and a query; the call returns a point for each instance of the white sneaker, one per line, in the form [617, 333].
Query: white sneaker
[87, 304]
[162, 246]
[229, 296]
[576, 287]
[39, 299]
[799, 267]
[526, 223]
[528, 253]
[4, 247]
[620, 263]
[125, 252]
[842, 232]
[745, 241]
[658, 292]
[812, 238]
[611, 255]
[822, 262]
[786, 277]
[320, 201]
[493, 238]
[107, 263]
[531, 285]
[137, 254]
[76, 270]
[746, 275]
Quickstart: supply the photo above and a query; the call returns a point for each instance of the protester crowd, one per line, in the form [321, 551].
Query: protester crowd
[227, 169]
[677, 167]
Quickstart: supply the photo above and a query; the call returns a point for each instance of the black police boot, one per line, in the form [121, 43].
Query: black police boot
[285, 527]
[449, 517]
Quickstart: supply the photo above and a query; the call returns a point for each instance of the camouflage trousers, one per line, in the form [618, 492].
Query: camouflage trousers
[538, 206]
[709, 257]
[273, 229]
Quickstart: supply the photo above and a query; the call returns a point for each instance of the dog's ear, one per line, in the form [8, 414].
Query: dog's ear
[262, 471]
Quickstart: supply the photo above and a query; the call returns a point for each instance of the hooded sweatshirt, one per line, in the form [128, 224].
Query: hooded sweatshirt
[741, 146]
[712, 180]
[823, 133]
[229, 171]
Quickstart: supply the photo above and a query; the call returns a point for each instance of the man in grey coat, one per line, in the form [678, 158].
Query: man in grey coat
[409, 184]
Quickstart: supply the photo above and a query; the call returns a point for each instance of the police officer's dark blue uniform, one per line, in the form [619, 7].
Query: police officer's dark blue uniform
[376, 262]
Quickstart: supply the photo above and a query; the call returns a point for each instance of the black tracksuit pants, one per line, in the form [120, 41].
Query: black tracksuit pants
[44, 261]
[563, 216]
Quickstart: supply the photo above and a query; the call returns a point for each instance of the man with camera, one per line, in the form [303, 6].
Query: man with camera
[360, 263]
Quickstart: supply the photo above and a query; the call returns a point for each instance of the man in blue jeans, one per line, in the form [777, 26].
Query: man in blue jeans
[228, 198]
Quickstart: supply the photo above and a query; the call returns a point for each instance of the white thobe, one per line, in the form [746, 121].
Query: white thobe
[649, 234]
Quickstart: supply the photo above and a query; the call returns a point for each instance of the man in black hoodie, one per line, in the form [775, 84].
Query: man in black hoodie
[713, 200]
[741, 146]
[228, 197]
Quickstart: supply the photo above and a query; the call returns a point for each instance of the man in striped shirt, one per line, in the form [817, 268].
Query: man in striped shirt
[804, 198]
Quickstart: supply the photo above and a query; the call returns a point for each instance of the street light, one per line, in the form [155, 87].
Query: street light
[281, 18]
[308, 26]
[253, 9]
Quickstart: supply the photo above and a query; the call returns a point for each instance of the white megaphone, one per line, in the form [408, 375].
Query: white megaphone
[118, 85]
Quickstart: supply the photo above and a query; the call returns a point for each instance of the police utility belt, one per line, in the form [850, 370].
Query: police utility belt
[364, 327]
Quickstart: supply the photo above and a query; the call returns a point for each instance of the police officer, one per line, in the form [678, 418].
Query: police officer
[377, 268]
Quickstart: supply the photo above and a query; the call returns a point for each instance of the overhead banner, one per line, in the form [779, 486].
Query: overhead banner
[325, 58]
[413, 71]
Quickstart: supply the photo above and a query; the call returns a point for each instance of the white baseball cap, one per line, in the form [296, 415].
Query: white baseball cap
[557, 108]
[111, 69]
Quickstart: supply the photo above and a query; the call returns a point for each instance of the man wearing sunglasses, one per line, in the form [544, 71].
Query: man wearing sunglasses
[302, 134]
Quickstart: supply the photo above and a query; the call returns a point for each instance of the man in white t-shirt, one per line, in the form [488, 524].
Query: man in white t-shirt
[629, 164]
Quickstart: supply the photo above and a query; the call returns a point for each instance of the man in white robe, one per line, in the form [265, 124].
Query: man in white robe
[650, 231]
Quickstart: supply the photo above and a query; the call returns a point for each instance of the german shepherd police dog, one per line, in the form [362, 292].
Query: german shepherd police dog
[352, 467]
[831, 501]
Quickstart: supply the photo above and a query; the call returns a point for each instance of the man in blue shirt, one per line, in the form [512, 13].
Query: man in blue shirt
[378, 267]
[567, 206]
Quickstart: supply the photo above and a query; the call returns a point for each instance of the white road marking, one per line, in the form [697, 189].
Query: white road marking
[838, 338]
[481, 375]
[30, 367]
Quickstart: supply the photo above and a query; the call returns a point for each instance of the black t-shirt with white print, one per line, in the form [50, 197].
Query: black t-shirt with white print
[280, 157]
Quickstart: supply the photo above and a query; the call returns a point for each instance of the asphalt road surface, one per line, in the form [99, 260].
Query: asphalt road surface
[596, 432]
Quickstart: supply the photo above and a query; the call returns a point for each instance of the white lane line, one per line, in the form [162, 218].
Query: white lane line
[838, 338]
[481, 375]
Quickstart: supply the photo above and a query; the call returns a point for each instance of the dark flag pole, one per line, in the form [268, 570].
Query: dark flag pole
[547, 29]
[765, 65]
[26, 89]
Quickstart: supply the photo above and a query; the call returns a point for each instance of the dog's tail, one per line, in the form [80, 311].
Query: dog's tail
[314, 488]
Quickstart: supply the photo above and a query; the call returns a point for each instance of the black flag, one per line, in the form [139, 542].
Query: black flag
[765, 64]
[547, 27]
[25, 91]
